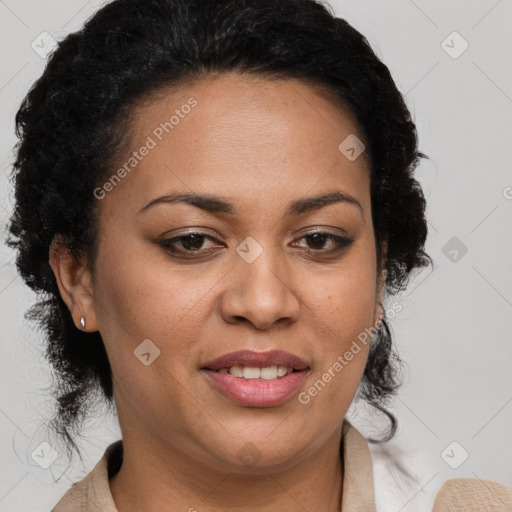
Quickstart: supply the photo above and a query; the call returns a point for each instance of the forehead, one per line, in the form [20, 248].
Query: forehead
[242, 137]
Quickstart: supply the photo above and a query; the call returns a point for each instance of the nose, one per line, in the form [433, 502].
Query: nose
[261, 292]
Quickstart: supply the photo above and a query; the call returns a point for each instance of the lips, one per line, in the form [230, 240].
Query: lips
[257, 379]
[257, 360]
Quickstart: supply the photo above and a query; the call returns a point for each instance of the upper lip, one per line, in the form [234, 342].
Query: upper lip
[257, 359]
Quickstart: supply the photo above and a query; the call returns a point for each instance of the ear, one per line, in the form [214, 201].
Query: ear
[75, 284]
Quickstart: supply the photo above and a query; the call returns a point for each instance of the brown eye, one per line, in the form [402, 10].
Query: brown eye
[192, 242]
[317, 241]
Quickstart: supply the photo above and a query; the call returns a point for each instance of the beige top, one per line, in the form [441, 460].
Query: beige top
[92, 493]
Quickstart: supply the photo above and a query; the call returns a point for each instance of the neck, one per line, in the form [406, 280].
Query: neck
[156, 476]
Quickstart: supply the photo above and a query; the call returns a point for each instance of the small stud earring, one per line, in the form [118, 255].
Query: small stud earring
[82, 323]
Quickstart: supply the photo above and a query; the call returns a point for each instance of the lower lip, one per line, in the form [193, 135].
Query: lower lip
[256, 392]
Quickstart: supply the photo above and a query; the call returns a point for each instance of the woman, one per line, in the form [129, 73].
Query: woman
[225, 198]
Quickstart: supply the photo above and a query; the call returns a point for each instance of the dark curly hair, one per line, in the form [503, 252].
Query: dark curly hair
[75, 121]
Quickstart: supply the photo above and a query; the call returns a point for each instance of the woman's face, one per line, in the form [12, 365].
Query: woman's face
[253, 278]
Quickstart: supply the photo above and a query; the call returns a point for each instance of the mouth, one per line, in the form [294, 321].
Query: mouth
[266, 362]
[257, 379]
[253, 372]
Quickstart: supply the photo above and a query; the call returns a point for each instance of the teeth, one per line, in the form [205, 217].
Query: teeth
[251, 372]
[236, 371]
[268, 373]
[282, 370]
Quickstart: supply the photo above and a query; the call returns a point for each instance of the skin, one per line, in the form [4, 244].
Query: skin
[259, 144]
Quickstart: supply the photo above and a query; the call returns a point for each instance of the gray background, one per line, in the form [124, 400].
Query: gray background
[454, 329]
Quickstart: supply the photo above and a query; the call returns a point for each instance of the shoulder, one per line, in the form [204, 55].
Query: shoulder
[473, 495]
[92, 493]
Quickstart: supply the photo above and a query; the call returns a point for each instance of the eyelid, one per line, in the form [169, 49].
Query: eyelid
[198, 230]
[321, 229]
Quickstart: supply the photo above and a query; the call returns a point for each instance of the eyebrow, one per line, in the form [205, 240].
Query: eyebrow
[218, 205]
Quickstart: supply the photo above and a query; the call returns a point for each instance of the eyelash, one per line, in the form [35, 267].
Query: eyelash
[169, 244]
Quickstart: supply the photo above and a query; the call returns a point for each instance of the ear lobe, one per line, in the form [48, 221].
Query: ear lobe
[74, 281]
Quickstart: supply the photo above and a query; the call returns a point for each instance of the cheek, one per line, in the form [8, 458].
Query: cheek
[138, 299]
[342, 305]
[343, 298]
